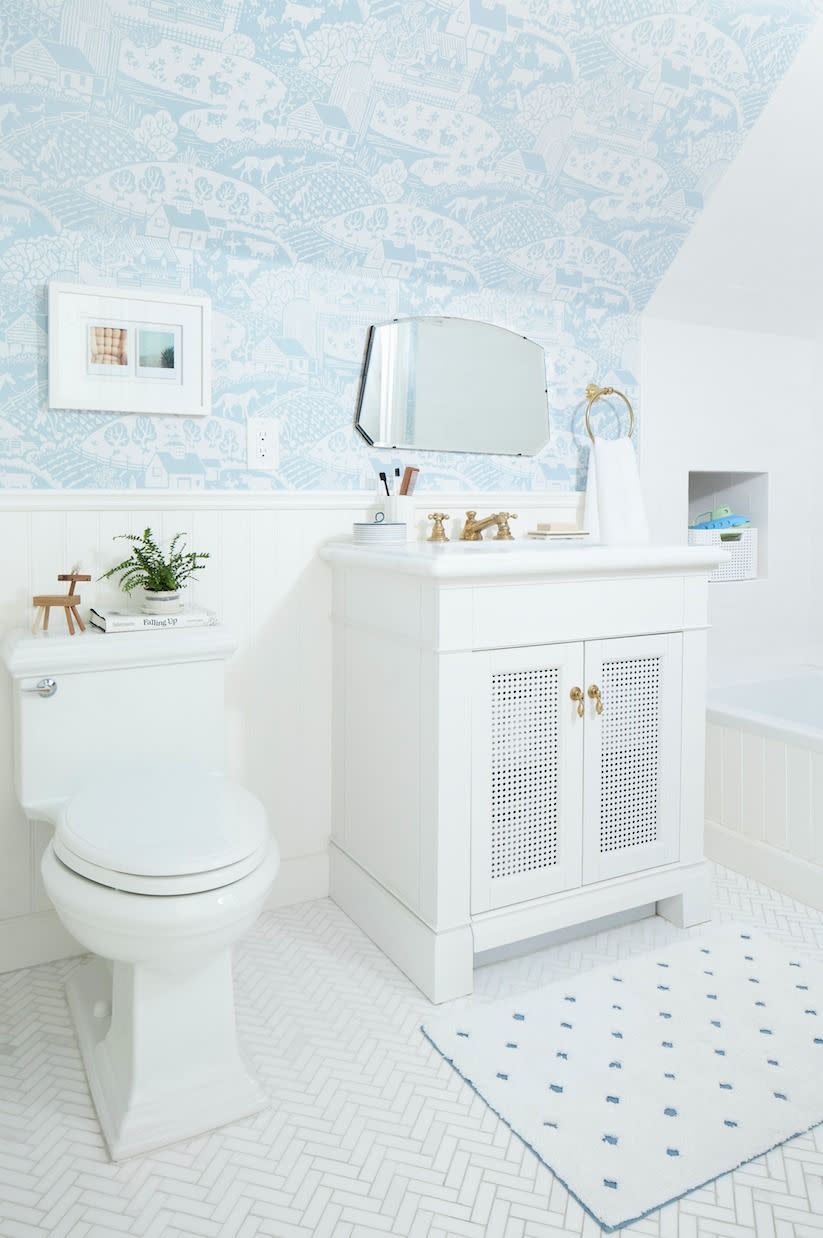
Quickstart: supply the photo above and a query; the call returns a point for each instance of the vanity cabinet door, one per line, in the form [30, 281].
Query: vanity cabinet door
[527, 774]
[631, 797]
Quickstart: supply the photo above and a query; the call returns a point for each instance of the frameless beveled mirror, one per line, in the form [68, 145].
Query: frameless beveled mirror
[450, 384]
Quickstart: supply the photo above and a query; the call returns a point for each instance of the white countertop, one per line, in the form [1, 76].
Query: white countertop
[522, 557]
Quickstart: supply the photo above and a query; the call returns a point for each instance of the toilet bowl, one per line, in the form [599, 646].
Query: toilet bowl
[160, 893]
[158, 865]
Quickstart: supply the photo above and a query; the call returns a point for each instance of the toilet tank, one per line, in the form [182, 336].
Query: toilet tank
[121, 698]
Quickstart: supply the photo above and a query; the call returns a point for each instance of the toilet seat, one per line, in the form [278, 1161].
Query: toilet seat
[197, 832]
[135, 883]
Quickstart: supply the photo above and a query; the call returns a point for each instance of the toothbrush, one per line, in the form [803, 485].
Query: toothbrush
[386, 484]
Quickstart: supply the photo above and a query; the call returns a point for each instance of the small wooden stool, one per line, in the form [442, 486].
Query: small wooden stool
[68, 602]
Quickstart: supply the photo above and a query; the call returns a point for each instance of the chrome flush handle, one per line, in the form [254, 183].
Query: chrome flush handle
[44, 687]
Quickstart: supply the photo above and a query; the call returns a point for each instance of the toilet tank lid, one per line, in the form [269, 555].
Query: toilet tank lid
[163, 823]
[26, 654]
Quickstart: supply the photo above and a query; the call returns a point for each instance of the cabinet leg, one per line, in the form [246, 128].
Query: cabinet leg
[451, 966]
[691, 906]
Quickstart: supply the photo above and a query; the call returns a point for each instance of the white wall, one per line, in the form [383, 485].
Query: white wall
[726, 401]
[731, 342]
[267, 583]
[814, 457]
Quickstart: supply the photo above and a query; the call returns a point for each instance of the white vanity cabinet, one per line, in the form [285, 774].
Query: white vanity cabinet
[518, 743]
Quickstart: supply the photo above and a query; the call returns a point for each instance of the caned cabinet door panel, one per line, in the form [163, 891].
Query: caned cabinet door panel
[527, 774]
[631, 797]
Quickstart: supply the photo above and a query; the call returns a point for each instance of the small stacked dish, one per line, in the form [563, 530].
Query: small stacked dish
[372, 531]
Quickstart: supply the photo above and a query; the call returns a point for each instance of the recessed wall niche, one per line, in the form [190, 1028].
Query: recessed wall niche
[747, 494]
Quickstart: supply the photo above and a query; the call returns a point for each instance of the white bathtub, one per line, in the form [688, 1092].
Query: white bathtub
[764, 781]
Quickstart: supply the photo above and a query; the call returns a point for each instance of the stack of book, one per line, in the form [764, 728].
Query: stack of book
[136, 621]
[559, 530]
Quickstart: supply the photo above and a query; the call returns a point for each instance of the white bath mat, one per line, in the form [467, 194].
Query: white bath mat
[639, 1082]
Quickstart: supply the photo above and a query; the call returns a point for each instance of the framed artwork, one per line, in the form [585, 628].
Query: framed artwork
[129, 352]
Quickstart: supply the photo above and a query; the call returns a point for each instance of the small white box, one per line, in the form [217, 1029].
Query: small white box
[742, 563]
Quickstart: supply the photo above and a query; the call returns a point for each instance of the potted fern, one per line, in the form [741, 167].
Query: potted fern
[160, 575]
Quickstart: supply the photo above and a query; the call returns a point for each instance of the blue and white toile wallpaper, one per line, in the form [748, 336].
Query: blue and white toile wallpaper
[316, 167]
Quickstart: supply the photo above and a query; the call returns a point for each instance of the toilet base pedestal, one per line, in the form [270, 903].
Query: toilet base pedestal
[160, 1051]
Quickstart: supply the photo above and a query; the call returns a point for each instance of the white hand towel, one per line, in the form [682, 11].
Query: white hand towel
[591, 519]
[621, 512]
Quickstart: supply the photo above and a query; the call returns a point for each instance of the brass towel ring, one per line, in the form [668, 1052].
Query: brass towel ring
[593, 394]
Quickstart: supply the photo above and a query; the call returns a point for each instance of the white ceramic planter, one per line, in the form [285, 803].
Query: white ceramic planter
[162, 602]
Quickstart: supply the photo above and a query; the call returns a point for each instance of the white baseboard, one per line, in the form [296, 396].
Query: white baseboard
[571, 908]
[440, 964]
[26, 941]
[516, 949]
[300, 879]
[780, 870]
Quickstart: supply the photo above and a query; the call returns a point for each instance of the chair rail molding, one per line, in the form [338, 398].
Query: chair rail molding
[270, 500]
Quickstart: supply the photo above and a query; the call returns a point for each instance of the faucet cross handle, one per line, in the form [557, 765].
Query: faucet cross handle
[504, 533]
[438, 533]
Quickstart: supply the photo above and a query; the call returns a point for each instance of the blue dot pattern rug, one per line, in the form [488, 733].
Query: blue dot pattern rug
[641, 1081]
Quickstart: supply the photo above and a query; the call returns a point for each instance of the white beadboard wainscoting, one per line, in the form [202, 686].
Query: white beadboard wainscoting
[764, 809]
[268, 585]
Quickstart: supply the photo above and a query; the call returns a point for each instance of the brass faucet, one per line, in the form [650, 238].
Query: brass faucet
[473, 528]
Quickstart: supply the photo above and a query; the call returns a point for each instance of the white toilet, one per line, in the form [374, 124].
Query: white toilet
[158, 865]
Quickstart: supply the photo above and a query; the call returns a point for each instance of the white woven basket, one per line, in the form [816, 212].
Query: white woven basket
[742, 563]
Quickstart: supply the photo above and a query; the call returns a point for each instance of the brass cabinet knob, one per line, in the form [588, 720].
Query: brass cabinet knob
[576, 694]
[438, 533]
[594, 694]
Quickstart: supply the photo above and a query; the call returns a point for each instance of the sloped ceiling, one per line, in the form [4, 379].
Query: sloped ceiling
[317, 166]
[754, 259]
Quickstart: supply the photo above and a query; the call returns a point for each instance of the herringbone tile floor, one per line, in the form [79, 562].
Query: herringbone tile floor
[369, 1131]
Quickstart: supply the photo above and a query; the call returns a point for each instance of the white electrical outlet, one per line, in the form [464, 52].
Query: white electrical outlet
[263, 444]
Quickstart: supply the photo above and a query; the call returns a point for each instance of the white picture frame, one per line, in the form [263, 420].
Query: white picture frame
[120, 351]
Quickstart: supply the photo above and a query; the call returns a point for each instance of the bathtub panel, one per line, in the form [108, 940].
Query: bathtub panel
[752, 759]
[817, 807]
[766, 745]
[776, 824]
[730, 788]
[714, 772]
[799, 801]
